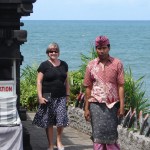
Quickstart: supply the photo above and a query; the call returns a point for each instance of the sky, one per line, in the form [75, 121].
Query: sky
[90, 10]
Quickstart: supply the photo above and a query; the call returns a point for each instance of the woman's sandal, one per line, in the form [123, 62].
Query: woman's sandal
[60, 148]
[50, 149]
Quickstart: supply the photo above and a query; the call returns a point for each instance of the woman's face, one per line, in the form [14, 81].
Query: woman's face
[53, 52]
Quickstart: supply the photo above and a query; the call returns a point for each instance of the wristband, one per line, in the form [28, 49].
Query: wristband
[67, 95]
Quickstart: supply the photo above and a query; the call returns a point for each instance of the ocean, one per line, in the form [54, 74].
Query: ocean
[130, 42]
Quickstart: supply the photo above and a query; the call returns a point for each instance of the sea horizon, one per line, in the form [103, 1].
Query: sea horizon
[26, 19]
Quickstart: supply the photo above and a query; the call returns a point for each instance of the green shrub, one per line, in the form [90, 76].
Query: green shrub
[76, 80]
[134, 94]
[28, 92]
[85, 59]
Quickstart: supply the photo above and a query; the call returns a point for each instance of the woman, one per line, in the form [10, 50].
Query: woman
[53, 93]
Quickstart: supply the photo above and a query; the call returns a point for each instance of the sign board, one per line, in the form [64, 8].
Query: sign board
[7, 88]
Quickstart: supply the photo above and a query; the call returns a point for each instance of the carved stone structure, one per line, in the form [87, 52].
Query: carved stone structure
[11, 37]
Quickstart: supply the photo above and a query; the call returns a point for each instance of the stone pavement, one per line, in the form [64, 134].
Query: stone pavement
[71, 139]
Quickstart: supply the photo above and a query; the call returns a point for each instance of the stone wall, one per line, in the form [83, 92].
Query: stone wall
[127, 139]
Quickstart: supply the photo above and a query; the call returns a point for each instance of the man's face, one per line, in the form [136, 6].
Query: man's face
[103, 52]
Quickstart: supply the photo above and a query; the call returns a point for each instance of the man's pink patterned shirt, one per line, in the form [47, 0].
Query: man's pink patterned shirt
[105, 80]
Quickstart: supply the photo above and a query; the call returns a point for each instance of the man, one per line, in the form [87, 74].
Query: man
[104, 82]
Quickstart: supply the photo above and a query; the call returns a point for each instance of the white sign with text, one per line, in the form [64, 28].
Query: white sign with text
[7, 88]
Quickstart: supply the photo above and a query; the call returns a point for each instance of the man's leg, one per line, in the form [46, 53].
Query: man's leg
[114, 146]
[98, 146]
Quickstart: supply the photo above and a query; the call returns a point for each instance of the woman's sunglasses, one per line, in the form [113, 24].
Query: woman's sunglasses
[52, 52]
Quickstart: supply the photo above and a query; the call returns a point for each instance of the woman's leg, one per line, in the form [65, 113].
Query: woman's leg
[49, 133]
[59, 137]
[61, 121]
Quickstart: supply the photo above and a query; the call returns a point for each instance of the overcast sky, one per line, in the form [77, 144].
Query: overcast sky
[90, 10]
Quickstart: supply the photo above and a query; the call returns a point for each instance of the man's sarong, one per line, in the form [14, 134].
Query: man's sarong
[104, 123]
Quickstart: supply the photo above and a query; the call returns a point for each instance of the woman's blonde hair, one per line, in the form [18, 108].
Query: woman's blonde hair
[55, 45]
